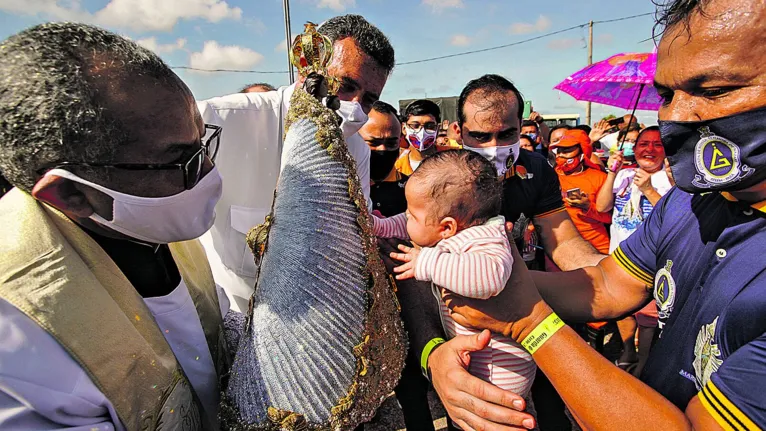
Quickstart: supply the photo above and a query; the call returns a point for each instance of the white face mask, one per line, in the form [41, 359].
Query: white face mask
[353, 117]
[180, 217]
[502, 157]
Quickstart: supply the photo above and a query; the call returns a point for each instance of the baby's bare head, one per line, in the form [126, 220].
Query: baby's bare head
[460, 184]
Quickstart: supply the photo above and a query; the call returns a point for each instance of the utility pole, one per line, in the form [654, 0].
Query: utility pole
[289, 40]
[590, 61]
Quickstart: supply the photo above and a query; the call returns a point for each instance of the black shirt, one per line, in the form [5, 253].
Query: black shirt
[388, 196]
[149, 268]
[534, 190]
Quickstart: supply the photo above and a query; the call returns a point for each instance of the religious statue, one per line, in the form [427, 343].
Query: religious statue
[322, 344]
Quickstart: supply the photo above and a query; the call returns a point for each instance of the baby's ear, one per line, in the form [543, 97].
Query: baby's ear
[447, 227]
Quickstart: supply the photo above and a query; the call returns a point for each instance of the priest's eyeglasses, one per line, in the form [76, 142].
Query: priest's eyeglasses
[191, 168]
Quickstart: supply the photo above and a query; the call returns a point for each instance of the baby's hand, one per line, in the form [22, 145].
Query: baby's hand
[410, 257]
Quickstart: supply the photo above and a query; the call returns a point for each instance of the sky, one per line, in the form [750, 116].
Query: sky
[250, 35]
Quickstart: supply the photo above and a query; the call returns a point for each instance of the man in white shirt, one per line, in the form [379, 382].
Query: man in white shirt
[109, 317]
[251, 149]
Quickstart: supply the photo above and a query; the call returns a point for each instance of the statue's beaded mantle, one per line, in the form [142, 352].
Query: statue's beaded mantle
[323, 344]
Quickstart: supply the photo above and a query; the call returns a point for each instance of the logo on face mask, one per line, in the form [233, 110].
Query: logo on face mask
[503, 157]
[569, 165]
[422, 139]
[717, 160]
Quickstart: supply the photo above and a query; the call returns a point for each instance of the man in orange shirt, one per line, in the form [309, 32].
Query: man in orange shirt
[581, 179]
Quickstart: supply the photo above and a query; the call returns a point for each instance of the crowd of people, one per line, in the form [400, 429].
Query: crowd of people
[124, 235]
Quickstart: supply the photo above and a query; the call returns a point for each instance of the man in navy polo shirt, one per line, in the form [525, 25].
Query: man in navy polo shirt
[699, 255]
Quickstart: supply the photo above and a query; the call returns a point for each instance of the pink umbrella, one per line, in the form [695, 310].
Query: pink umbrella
[623, 80]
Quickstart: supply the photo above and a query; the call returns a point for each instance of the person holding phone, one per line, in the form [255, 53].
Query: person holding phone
[581, 180]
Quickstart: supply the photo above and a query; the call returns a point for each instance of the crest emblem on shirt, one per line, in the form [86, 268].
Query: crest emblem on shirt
[717, 160]
[707, 355]
[509, 168]
[664, 292]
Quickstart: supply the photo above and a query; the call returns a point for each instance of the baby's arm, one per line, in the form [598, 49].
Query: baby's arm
[479, 271]
[392, 227]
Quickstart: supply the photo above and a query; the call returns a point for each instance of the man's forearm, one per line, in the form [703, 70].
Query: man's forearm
[587, 382]
[591, 294]
[573, 252]
[563, 242]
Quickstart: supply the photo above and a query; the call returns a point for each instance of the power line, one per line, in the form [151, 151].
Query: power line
[197, 69]
[623, 18]
[441, 57]
[476, 51]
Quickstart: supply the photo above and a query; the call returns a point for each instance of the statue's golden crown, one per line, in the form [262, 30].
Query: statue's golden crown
[310, 52]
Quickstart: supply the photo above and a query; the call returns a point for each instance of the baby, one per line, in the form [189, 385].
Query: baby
[452, 218]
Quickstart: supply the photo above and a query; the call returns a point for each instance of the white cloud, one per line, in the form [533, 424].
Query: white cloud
[460, 40]
[137, 15]
[151, 44]
[281, 46]
[440, 5]
[215, 56]
[336, 5]
[152, 15]
[563, 44]
[543, 23]
[49, 8]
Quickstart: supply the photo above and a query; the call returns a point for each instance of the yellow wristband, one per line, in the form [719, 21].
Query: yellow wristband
[542, 333]
[430, 346]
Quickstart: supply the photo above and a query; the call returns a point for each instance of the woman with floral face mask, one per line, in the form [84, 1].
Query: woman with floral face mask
[420, 127]
[581, 180]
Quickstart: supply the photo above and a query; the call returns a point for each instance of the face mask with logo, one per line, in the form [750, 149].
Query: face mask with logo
[180, 217]
[382, 163]
[568, 166]
[502, 157]
[422, 139]
[722, 154]
[352, 116]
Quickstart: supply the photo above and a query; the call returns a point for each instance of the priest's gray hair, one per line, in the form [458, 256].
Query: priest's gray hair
[49, 109]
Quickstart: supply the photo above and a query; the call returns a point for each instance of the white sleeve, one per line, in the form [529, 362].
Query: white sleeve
[209, 116]
[248, 160]
[360, 151]
[41, 386]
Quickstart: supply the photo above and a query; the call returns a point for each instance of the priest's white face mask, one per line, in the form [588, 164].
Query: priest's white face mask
[180, 217]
